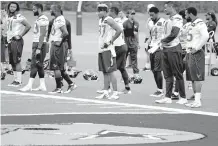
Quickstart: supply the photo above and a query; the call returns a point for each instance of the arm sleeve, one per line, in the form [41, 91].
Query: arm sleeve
[21, 18]
[69, 36]
[43, 22]
[49, 27]
[204, 35]
[174, 33]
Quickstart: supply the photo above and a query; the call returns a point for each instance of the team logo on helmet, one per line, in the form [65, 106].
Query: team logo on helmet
[135, 79]
[90, 75]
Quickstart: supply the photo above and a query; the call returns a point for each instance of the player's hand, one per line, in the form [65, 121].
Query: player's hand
[17, 37]
[146, 47]
[58, 44]
[38, 51]
[193, 51]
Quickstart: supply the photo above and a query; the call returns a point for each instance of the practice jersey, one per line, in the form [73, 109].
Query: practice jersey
[105, 35]
[157, 32]
[150, 24]
[41, 21]
[4, 25]
[120, 40]
[174, 21]
[56, 34]
[15, 27]
[197, 34]
[184, 35]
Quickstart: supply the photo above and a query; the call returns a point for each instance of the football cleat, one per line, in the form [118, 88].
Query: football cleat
[3, 75]
[90, 75]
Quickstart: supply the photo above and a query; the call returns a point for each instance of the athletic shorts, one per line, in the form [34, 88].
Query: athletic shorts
[121, 56]
[15, 50]
[42, 54]
[3, 49]
[57, 56]
[106, 62]
[156, 61]
[195, 66]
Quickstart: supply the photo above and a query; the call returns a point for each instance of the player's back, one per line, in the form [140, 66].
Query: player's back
[40, 21]
[120, 40]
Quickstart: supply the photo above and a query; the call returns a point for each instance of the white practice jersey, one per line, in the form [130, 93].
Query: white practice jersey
[157, 32]
[56, 34]
[174, 21]
[197, 34]
[105, 35]
[150, 24]
[184, 35]
[41, 21]
[15, 26]
[120, 40]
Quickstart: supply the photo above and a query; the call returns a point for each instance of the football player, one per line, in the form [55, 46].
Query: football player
[17, 28]
[195, 68]
[156, 34]
[39, 49]
[109, 31]
[172, 54]
[59, 46]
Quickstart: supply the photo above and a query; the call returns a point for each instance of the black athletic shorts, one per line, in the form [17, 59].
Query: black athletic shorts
[15, 50]
[195, 66]
[58, 56]
[156, 60]
[121, 56]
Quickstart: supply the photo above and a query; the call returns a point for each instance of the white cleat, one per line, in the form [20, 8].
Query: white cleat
[26, 88]
[164, 100]
[105, 94]
[114, 95]
[194, 104]
[102, 91]
[182, 101]
[40, 89]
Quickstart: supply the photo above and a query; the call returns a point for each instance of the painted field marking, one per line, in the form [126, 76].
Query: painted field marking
[105, 107]
[113, 103]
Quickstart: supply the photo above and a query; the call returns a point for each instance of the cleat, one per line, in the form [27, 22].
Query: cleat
[157, 94]
[71, 87]
[10, 72]
[3, 75]
[174, 96]
[26, 88]
[194, 104]
[164, 100]
[40, 89]
[182, 101]
[114, 95]
[15, 84]
[102, 91]
[105, 94]
[57, 90]
[126, 92]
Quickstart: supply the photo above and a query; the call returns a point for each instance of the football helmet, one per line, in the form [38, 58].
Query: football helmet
[90, 75]
[135, 79]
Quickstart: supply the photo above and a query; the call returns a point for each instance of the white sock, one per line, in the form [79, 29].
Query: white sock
[30, 83]
[161, 90]
[147, 65]
[198, 97]
[19, 77]
[42, 82]
[15, 75]
[176, 93]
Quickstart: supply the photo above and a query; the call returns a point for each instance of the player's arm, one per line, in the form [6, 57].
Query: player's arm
[116, 27]
[136, 33]
[64, 33]
[69, 36]
[204, 36]
[27, 27]
[174, 33]
[42, 36]
[49, 29]
[211, 26]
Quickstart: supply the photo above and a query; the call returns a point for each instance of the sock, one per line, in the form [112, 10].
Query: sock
[19, 77]
[127, 88]
[58, 82]
[42, 82]
[147, 65]
[198, 97]
[161, 90]
[176, 93]
[30, 83]
[15, 75]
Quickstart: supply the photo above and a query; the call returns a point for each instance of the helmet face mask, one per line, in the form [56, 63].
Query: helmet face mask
[135, 79]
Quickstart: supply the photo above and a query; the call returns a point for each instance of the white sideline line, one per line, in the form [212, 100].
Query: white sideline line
[89, 104]
[113, 103]
[90, 113]
[104, 107]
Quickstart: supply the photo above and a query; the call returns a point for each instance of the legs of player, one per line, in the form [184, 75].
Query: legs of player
[134, 59]
[159, 82]
[113, 81]
[71, 84]
[58, 79]
[147, 61]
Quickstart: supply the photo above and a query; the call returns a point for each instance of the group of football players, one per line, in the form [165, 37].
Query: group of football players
[173, 45]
